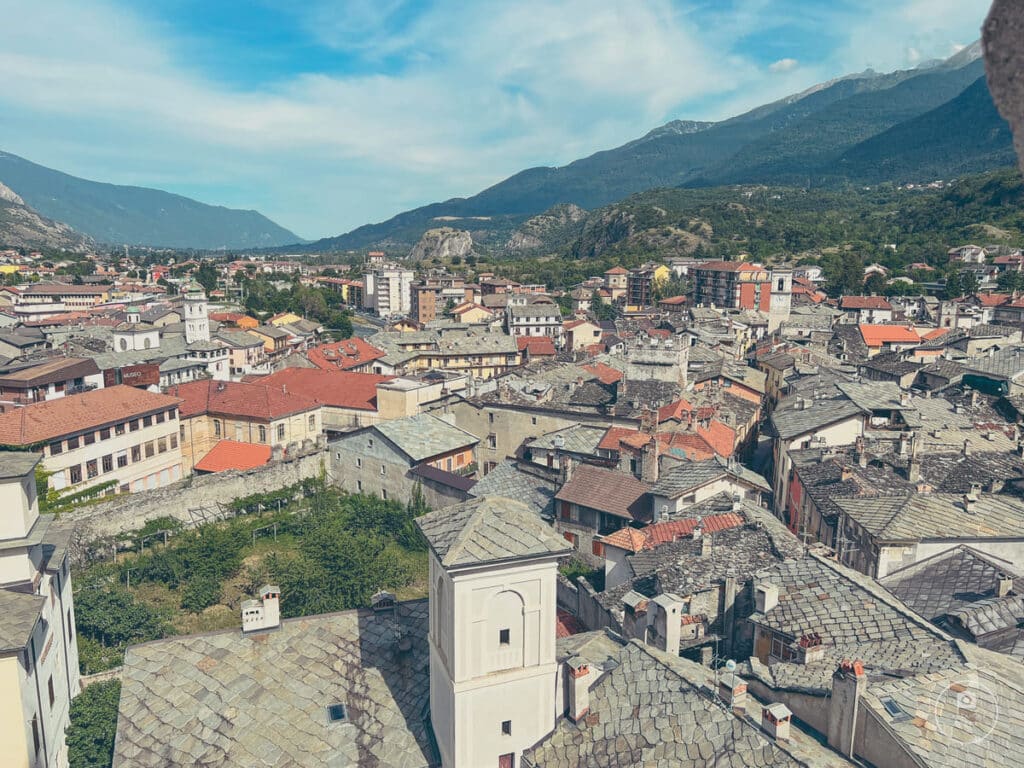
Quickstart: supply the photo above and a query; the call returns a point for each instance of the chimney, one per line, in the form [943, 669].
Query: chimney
[649, 421]
[649, 462]
[732, 689]
[860, 450]
[1004, 585]
[811, 648]
[660, 513]
[264, 613]
[766, 596]
[848, 685]
[904, 447]
[577, 671]
[847, 473]
[668, 627]
[967, 447]
[974, 398]
[775, 720]
[565, 469]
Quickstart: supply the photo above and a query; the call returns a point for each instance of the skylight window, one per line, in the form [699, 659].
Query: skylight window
[336, 713]
[895, 710]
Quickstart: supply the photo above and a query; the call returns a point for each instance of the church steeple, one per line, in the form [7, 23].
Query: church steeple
[197, 322]
[493, 668]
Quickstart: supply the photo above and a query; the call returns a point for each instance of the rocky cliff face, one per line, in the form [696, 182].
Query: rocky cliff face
[442, 243]
[549, 230]
[22, 227]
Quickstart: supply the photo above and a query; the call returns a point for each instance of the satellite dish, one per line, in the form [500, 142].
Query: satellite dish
[730, 666]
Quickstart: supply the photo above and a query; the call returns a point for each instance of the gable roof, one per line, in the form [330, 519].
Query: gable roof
[231, 454]
[235, 398]
[51, 419]
[694, 474]
[606, 490]
[864, 302]
[333, 388]
[920, 516]
[651, 536]
[342, 355]
[424, 436]
[877, 335]
[488, 530]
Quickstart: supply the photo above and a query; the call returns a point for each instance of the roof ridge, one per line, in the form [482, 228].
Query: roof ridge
[463, 536]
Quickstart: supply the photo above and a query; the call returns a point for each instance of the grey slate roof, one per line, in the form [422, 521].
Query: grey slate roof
[946, 582]
[509, 481]
[856, 619]
[789, 421]
[17, 463]
[21, 612]
[238, 701]
[993, 614]
[693, 474]
[937, 516]
[649, 712]
[486, 530]
[937, 732]
[577, 438]
[423, 436]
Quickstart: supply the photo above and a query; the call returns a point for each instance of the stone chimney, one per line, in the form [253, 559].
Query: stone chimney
[860, 451]
[848, 685]
[811, 648]
[566, 466]
[1004, 585]
[649, 462]
[668, 618]
[649, 421]
[732, 689]
[264, 613]
[577, 685]
[766, 596]
[967, 447]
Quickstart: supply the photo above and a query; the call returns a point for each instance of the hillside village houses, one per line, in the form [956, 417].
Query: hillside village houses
[729, 473]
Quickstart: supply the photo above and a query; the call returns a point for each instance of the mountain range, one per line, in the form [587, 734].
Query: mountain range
[110, 213]
[917, 125]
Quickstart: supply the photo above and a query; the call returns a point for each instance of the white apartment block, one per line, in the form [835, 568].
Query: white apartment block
[387, 290]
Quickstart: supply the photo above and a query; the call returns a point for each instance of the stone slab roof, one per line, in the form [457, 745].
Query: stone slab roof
[694, 474]
[424, 436]
[789, 420]
[21, 612]
[238, 701]
[649, 711]
[509, 481]
[490, 529]
[937, 516]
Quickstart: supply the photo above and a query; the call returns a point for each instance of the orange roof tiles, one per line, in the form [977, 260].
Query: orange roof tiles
[338, 389]
[69, 415]
[721, 437]
[616, 271]
[234, 398]
[606, 490]
[877, 335]
[675, 410]
[864, 302]
[636, 540]
[604, 373]
[935, 333]
[536, 345]
[229, 454]
[992, 299]
[567, 625]
[343, 355]
[726, 266]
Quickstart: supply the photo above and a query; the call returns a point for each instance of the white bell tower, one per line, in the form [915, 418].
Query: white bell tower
[197, 321]
[493, 668]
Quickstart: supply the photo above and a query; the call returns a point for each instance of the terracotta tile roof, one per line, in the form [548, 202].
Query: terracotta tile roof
[935, 333]
[635, 540]
[676, 410]
[673, 301]
[338, 389]
[877, 335]
[567, 625]
[536, 345]
[229, 454]
[616, 271]
[342, 355]
[606, 490]
[40, 422]
[604, 373]
[726, 266]
[233, 398]
[694, 447]
[992, 299]
[864, 302]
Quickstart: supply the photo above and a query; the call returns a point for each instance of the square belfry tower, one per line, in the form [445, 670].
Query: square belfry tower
[493, 572]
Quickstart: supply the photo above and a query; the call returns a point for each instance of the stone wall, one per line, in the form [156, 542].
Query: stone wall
[132, 511]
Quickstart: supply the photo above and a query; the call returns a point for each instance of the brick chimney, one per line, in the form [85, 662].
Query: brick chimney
[577, 674]
[848, 685]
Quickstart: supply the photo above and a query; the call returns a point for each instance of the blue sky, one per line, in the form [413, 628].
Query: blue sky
[329, 114]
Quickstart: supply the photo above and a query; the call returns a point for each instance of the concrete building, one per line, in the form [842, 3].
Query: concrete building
[57, 377]
[387, 290]
[122, 438]
[737, 285]
[38, 652]
[536, 320]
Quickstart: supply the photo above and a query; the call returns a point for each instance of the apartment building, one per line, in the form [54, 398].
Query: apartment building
[387, 290]
[212, 411]
[59, 376]
[42, 300]
[733, 285]
[38, 652]
[120, 439]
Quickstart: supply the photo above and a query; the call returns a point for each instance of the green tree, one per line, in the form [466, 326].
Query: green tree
[93, 725]
[206, 276]
[112, 616]
[1010, 281]
[953, 287]
[875, 284]
[602, 310]
[968, 283]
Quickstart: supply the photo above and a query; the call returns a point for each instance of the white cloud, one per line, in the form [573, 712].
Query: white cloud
[489, 88]
[783, 65]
